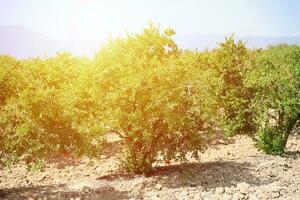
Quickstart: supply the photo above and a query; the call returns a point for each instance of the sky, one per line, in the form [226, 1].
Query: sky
[91, 19]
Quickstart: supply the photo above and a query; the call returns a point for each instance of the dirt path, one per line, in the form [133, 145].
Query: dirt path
[227, 171]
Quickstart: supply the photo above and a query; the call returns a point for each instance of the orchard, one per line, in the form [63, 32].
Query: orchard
[162, 101]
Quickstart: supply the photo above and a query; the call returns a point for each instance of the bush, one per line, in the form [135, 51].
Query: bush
[277, 101]
[157, 105]
[40, 118]
[10, 81]
[233, 61]
[271, 141]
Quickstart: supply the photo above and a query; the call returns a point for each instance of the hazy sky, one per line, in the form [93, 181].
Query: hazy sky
[92, 19]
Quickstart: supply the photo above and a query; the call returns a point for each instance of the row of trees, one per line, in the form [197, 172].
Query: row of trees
[163, 102]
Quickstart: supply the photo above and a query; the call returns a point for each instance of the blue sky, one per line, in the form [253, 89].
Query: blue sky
[90, 19]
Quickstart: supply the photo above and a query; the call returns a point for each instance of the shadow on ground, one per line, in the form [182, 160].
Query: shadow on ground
[292, 154]
[60, 192]
[208, 175]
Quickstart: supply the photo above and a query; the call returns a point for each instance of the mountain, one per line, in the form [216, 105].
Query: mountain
[23, 43]
[20, 42]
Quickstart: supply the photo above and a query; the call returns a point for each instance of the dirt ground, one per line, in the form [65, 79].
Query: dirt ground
[232, 169]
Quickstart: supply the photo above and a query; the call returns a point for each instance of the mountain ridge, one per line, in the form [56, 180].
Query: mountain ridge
[20, 42]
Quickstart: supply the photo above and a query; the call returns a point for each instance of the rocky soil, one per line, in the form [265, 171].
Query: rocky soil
[232, 169]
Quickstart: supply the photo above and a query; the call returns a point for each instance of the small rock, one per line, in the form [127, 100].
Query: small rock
[42, 177]
[222, 142]
[243, 187]
[191, 184]
[275, 194]
[158, 186]
[287, 165]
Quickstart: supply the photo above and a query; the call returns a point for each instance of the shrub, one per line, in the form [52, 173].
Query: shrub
[277, 101]
[41, 118]
[10, 81]
[157, 105]
[271, 141]
[233, 62]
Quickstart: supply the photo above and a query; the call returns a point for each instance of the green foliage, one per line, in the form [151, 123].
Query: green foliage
[271, 141]
[277, 101]
[163, 102]
[39, 117]
[153, 101]
[9, 77]
[233, 61]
